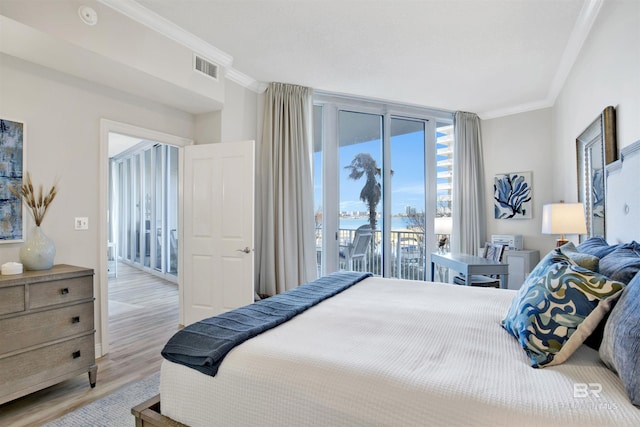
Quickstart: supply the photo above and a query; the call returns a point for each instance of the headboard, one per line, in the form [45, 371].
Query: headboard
[623, 196]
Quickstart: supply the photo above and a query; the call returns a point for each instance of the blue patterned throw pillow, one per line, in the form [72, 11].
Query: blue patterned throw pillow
[557, 308]
[620, 349]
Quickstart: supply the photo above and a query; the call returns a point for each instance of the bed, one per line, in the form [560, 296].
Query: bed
[399, 352]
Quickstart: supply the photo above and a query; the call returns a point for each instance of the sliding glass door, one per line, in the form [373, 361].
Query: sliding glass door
[378, 185]
[145, 203]
[408, 197]
[360, 160]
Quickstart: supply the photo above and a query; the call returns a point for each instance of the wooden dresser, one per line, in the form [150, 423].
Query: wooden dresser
[46, 329]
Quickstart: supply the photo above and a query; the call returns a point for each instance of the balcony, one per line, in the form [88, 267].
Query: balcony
[408, 254]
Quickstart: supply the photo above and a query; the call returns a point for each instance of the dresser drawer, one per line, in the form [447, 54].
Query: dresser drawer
[60, 291]
[36, 328]
[25, 370]
[11, 300]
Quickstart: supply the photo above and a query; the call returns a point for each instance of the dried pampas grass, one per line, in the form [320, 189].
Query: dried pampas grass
[37, 203]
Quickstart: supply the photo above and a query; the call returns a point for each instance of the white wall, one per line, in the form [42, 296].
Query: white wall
[237, 121]
[607, 72]
[209, 128]
[520, 143]
[118, 52]
[62, 117]
[240, 114]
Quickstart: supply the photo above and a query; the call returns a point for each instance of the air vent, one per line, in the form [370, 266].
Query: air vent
[205, 67]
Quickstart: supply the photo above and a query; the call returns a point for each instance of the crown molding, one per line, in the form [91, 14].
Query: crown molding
[152, 20]
[516, 109]
[578, 36]
[581, 29]
[244, 80]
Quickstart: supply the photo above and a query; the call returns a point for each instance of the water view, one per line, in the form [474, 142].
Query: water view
[397, 223]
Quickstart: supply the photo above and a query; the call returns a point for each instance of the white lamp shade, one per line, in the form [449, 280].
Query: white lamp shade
[563, 218]
[443, 225]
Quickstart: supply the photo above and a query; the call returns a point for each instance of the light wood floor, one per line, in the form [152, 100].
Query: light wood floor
[143, 315]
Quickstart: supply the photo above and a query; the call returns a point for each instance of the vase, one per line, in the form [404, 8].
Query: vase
[38, 251]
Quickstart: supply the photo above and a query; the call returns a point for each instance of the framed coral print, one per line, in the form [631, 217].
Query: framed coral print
[12, 219]
[512, 195]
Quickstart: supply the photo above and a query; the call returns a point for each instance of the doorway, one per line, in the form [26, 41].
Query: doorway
[143, 206]
[141, 199]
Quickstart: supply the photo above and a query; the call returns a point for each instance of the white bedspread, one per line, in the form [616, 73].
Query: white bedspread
[401, 353]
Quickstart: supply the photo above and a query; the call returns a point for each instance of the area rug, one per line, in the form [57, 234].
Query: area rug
[113, 410]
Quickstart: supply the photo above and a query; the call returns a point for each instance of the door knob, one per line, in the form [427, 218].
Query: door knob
[246, 250]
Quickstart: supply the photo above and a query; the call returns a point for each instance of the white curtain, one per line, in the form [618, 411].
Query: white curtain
[468, 210]
[287, 250]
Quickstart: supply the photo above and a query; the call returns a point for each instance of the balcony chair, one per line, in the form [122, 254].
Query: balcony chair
[493, 252]
[358, 248]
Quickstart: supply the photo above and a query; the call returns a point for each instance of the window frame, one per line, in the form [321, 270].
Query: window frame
[331, 105]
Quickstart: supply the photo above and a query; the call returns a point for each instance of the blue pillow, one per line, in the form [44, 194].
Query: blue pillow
[588, 261]
[596, 246]
[623, 263]
[557, 308]
[620, 349]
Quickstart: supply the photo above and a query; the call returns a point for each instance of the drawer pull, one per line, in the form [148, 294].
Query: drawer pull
[64, 291]
[76, 354]
[75, 319]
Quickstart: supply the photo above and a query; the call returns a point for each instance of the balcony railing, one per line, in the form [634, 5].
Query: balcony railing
[408, 254]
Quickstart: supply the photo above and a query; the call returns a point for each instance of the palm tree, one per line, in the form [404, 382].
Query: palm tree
[371, 193]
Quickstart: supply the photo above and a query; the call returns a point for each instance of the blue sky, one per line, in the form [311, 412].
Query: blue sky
[407, 163]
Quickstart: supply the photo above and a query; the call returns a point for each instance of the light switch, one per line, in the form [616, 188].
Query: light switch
[82, 223]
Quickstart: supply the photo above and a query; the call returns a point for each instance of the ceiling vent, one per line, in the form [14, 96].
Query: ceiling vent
[205, 67]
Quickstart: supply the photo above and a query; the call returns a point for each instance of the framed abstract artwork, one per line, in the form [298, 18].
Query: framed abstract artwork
[12, 145]
[512, 195]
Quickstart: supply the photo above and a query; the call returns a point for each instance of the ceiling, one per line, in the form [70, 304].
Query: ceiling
[492, 57]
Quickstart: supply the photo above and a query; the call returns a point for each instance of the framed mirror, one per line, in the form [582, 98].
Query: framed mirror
[596, 147]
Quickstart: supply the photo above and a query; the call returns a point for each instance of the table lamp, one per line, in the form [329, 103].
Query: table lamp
[563, 218]
[442, 226]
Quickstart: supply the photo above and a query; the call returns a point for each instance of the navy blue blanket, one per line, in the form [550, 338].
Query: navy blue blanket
[203, 345]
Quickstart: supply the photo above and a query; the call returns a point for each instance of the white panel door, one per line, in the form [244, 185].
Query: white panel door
[217, 273]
